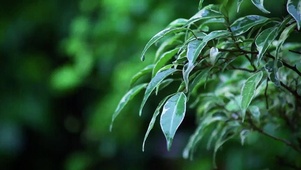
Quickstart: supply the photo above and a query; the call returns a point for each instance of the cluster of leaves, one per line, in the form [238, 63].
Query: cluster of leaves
[239, 76]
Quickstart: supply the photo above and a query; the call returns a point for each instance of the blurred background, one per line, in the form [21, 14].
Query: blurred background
[65, 64]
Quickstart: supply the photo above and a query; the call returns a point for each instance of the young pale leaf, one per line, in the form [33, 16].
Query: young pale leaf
[243, 24]
[264, 40]
[238, 4]
[153, 120]
[248, 91]
[141, 73]
[259, 5]
[294, 9]
[125, 99]
[154, 83]
[164, 59]
[158, 36]
[172, 116]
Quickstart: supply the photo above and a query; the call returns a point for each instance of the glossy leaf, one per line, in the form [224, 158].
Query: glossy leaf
[243, 24]
[260, 6]
[172, 116]
[294, 9]
[158, 36]
[141, 73]
[167, 43]
[164, 59]
[264, 40]
[153, 120]
[186, 72]
[205, 13]
[193, 55]
[153, 84]
[239, 2]
[248, 91]
[178, 22]
[125, 99]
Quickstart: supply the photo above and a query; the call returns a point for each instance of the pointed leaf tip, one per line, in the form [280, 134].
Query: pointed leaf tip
[172, 116]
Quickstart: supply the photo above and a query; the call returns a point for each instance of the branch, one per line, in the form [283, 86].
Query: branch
[294, 92]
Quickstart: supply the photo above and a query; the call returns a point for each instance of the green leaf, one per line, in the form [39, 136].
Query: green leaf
[172, 116]
[248, 91]
[243, 135]
[164, 59]
[265, 39]
[178, 22]
[259, 5]
[141, 73]
[153, 120]
[205, 13]
[125, 99]
[239, 2]
[194, 52]
[243, 24]
[201, 4]
[158, 36]
[167, 43]
[153, 84]
[186, 72]
[294, 9]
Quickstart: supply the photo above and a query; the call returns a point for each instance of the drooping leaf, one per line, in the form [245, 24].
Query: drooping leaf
[164, 59]
[154, 83]
[207, 12]
[167, 43]
[264, 40]
[158, 36]
[243, 135]
[294, 9]
[243, 24]
[188, 67]
[195, 52]
[260, 6]
[248, 91]
[199, 133]
[153, 120]
[239, 2]
[141, 73]
[125, 99]
[172, 116]
[283, 36]
[201, 4]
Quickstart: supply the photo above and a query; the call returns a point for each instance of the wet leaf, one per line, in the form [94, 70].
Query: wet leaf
[125, 99]
[172, 116]
[259, 5]
[243, 24]
[153, 84]
[248, 91]
[153, 120]
[264, 40]
[158, 36]
[294, 9]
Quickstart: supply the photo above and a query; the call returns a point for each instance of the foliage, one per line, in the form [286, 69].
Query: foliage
[239, 74]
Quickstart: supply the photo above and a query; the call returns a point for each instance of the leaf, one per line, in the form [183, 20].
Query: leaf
[172, 116]
[294, 9]
[239, 2]
[141, 73]
[153, 84]
[158, 36]
[178, 22]
[201, 4]
[248, 91]
[164, 59]
[125, 99]
[195, 52]
[153, 120]
[243, 135]
[205, 13]
[264, 40]
[167, 43]
[213, 54]
[186, 72]
[243, 24]
[259, 5]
